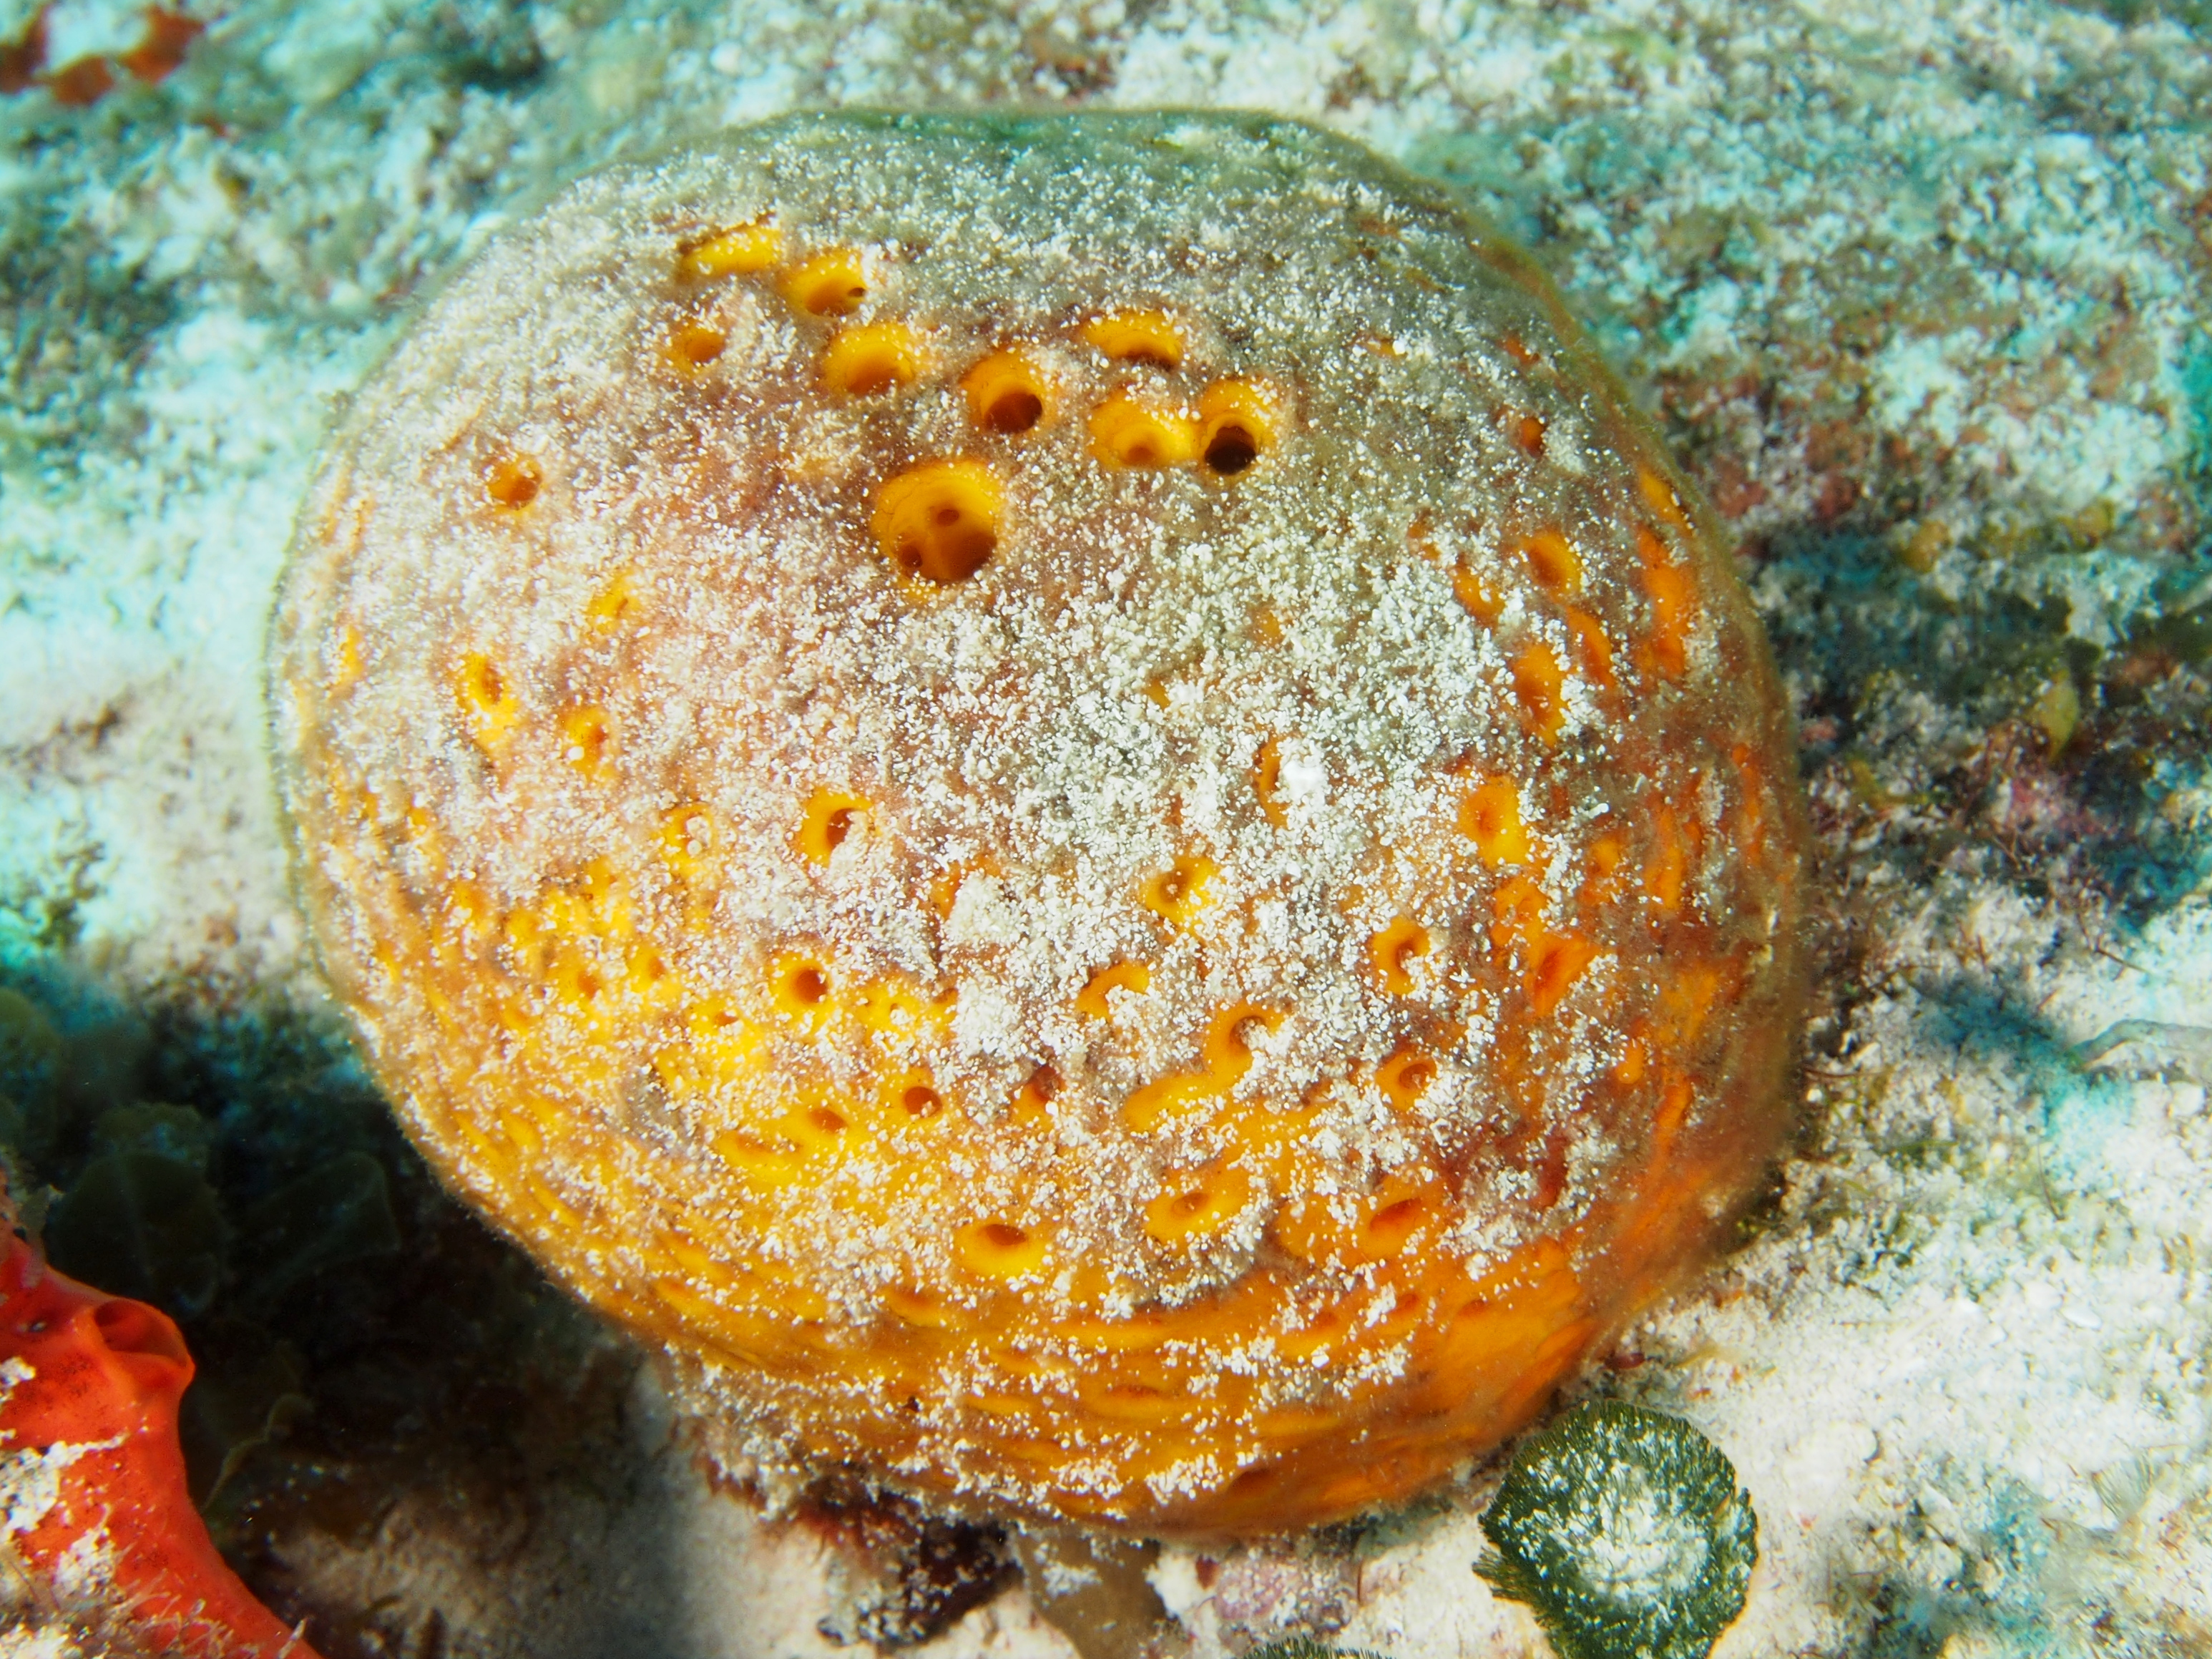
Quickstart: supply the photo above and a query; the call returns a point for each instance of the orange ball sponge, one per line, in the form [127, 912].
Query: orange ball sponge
[1069, 797]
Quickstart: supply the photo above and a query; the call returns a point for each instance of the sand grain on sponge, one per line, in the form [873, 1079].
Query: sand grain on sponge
[1067, 796]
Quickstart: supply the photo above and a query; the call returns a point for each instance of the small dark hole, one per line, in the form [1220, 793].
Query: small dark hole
[948, 515]
[999, 1237]
[867, 378]
[923, 1103]
[700, 346]
[1403, 1213]
[1232, 451]
[514, 484]
[837, 826]
[961, 553]
[808, 985]
[1015, 411]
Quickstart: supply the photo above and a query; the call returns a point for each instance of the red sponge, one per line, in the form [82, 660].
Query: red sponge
[92, 1474]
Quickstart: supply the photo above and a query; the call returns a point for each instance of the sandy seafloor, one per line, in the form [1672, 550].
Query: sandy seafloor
[1918, 290]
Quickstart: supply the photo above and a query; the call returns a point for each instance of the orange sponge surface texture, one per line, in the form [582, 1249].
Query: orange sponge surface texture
[1068, 797]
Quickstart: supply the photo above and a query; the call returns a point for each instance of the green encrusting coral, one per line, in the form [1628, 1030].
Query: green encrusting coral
[1625, 1530]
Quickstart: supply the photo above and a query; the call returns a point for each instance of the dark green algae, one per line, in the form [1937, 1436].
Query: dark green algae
[357, 1334]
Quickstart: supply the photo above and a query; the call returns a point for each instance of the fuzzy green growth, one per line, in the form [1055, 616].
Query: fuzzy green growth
[1624, 1531]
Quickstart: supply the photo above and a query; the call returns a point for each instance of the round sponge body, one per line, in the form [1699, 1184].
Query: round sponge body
[1068, 797]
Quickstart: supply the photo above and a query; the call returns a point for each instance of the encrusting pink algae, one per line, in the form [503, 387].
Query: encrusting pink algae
[1069, 797]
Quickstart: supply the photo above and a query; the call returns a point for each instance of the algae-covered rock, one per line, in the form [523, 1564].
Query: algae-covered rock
[1306, 1647]
[1623, 1529]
